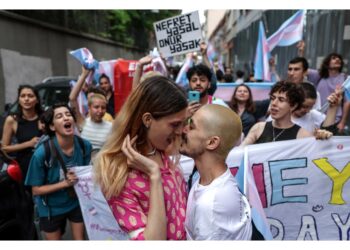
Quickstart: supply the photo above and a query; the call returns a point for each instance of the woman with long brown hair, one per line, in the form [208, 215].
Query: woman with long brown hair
[242, 103]
[250, 111]
[144, 188]
[24, 126]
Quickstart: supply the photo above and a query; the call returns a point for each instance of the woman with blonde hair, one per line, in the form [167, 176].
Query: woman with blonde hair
[93, 128]
[145, 190]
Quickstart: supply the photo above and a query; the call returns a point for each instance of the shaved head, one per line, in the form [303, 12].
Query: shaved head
[221, 121]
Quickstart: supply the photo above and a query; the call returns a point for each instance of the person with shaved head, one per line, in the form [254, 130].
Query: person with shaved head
[216, 209]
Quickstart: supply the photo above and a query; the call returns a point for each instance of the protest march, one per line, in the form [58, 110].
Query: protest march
[177, 144]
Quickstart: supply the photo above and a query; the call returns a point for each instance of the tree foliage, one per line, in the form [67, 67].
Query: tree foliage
[131, 27]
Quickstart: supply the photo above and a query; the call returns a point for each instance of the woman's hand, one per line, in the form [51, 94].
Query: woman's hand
[336, 97]
[71, 178]
[145, 60]
[33, 142]
[137, 161]
[322, 134]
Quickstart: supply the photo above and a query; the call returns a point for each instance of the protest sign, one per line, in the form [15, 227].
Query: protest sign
[302, 186]
[178, 35]
[99, 221]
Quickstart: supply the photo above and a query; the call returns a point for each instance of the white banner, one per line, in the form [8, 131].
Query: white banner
[178, 35]
[98, 218]
[303, 185]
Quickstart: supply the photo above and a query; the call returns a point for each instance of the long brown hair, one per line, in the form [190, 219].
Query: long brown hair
[249, 105]
[157, 95]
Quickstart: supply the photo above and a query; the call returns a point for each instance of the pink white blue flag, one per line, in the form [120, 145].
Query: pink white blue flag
[107, 68]
[220, 64]
[246, 184]
[82, 100]
[262, 54]
[86, 59]
[346, 88]
[159, 66]
[158, 63]
[290, 32]
[181, 78]
[211, 53]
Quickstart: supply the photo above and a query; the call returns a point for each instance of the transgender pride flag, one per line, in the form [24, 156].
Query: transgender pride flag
[107, 68]
[246, 184]
[211, 53]
[262, 54]
[82, 100]
[86, 58]
[181, 78]
[290, 32]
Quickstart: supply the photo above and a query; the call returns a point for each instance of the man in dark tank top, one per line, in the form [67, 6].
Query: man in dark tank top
[286, 98]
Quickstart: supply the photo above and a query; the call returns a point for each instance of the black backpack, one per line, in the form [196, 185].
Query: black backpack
[16, 206]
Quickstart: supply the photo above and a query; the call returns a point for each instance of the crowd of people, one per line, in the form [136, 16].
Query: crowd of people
[135, 153]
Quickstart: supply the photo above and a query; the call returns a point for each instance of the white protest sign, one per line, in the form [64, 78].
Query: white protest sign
[303, 186]
[99, 221]
[178, 35]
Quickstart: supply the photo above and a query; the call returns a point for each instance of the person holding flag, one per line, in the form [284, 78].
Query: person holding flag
[262, 54]
[92, 128]
[290, 32]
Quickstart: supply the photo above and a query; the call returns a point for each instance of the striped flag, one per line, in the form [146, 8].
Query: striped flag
[181, 78]
[82, 100]
[107, 68]
[158, 63]
[86, 59]
[262, 54]
[211, 53]
[220, 64]
[346, 88]
[159, 66]
[247, 186]
[290, 32]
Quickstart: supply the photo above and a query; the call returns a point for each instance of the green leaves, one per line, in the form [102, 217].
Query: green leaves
[130, 27]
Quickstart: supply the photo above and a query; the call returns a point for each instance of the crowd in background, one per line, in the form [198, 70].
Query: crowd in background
[130, 150]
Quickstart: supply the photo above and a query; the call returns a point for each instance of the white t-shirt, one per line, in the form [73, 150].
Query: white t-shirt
[96, 133]
[218, 101]
[218, 211]
[309, 122]
[186, 165]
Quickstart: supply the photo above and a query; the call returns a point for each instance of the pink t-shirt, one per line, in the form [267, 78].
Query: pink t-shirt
[131, 207]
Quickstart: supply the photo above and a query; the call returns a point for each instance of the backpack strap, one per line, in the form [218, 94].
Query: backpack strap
[56, 155]
[47, 155]
[81, 144]
[47, 165]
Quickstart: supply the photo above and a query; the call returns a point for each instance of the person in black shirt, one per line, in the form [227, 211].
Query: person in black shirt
[24, 126]
[286, 97]
[105, 85]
